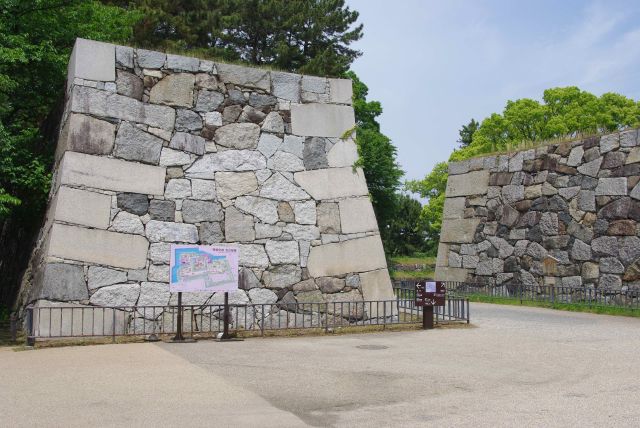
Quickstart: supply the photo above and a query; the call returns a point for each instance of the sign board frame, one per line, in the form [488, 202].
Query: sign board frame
[210, 268]
[430, 293]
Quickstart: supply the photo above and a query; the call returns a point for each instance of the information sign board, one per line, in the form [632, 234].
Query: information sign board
[203, 268]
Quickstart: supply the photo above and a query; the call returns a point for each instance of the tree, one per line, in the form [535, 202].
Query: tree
[306, 36]
[377, 158]
[432, 187]
[406, 228]
[466, 133]
[36, 38]
[563, 113]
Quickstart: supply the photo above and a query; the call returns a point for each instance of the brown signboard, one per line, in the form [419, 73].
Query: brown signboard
[430, 293]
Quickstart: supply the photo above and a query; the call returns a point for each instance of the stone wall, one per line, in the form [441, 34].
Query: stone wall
[158, 149]
[578, 202]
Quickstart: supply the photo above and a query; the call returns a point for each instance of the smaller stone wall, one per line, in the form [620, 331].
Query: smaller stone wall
[578, 202]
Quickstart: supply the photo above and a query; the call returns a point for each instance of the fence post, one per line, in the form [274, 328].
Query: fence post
[31, 339]
[13, 326]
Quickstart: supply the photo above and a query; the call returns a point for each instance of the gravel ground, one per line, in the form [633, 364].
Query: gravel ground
[517, 366]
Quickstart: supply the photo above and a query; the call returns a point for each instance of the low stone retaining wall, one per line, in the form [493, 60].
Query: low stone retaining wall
[578, 202]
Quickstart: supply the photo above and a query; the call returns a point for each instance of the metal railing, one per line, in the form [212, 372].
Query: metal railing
[628, 298]
[74, 321]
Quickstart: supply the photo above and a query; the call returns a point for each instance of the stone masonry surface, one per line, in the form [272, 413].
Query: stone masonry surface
[578, 202]
[157, 149]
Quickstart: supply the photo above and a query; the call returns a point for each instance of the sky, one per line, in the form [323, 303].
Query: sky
[434, 65]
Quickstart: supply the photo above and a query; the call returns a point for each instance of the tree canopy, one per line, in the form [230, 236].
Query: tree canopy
[36, 37]
[306, 36]
[563, 113]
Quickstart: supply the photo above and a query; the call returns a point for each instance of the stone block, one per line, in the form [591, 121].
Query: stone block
[124, 56]
[266, 210]
[459, 231]
[98, 246]
[109, 105]
[100, 277]
[328, 217]
[253, 256]
[160, 231]
[233, 184]
[314, 153]
[78, 169]
[61, 281]
[356, 215]
[356, 255]
[376, 286]
[188, 143]
[453, 208]
[283, 252]
[132, 143]
[279, 188]
[612, 186]
[283, 161]
[340, 91]
[286, 86]
[321, 120]
[198, 211]
[238, 227]
[150, 59]
[174, 90]
[244, 76]
[190, 121]
[116, 295]
[451, 274]
[92, 60]
[333, 183]
[343, 153]
[228, 160]
[162, 210]
[472, 183]
[182, 63]
[129, 85]
[86, 134]
[82, 207]
[305, 212]
[208, 101]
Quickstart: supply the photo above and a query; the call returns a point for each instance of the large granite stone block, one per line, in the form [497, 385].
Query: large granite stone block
[472, 183]
[61, 281]
[376, 286]
[78, 169]
[132, 143]
[321, 120]
[86, 134]
[461, 231]
[110, 105]
[82, 207]
[453, 208]
[98, 246]
[332, 183]
[356, 215]
[244, 76]
[92, 60]
[340, 91]
[174, 90]
[451, 274]
[356, 255]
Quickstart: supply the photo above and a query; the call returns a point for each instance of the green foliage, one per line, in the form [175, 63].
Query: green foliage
[307, 36]
[432, 187]
[406, 231]
[378, 159]
[36, 37]
[563, 112]
[466, 133]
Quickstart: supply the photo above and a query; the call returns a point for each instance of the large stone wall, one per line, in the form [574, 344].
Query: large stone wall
[158, 149]
[578, 202]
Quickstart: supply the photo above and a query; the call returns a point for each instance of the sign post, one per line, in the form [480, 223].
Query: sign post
[203, 268]
[428, 295]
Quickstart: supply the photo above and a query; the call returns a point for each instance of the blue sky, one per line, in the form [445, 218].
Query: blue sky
[436, 64]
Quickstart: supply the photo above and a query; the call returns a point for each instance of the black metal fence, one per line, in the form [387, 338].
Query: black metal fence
[628, 298]
[75, 321]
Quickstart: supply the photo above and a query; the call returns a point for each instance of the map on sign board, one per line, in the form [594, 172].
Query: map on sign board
[430, 287]
[204, 268]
